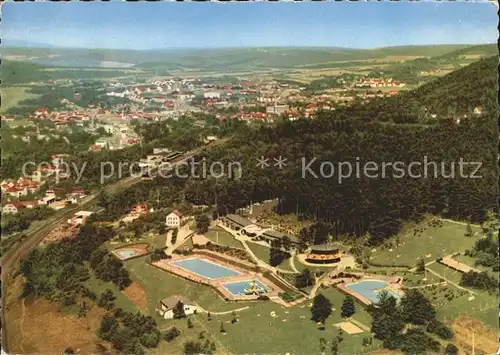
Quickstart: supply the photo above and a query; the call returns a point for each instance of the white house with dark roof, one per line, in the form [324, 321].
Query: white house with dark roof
[167, 305]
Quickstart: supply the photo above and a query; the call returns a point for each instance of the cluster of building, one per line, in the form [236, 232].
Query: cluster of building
[53, 198]
[137, 210]
[378, 83]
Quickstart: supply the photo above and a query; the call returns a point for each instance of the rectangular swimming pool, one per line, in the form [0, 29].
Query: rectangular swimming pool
[245, 287]
[371, 289]
[205, 268]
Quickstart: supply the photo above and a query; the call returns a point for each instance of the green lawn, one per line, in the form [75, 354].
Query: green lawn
[484, 306]
[257, 332]
[446, 272]
[436, 241]
[122, 301]
[263, 253]
[11, 96]
[223, 238]
[153, 239]
[177, 346]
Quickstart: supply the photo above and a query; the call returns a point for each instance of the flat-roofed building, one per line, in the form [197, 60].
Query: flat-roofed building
[235, 221]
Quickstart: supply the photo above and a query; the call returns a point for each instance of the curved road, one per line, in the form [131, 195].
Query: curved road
[17, 252]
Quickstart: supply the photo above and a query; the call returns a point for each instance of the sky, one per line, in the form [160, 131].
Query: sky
[143, 25]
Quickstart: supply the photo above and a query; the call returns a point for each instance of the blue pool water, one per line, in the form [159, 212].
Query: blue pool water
[125, 254]
[238, 288]
[371, 289]
[205, 268]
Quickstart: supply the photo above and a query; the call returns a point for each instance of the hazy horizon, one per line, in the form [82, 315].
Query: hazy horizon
[32, 45]
[167, 26]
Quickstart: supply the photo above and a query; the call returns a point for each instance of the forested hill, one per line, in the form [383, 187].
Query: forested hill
[375, 201]
[14, 72]
[454, 94]
[378, 201]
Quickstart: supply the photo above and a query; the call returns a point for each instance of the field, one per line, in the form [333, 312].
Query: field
[224, 238]
[482, 306]
[263, 253]
[433, 243]
[98, 287]
[154, 240]
[36, 325]
[292, 331]
[11, 96]
[446, 272]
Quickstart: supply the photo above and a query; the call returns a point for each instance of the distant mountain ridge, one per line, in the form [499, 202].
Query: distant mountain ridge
[215, 58]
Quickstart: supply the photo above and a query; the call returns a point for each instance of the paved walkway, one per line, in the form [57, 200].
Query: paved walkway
[319, 280]
[458, 222]
[183, 234]
[200, 309]
[292, 264]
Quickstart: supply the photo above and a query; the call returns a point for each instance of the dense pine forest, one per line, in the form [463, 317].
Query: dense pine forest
[361, 205]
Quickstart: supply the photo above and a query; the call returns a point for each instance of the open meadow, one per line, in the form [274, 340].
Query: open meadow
[11, 96]
[430, 244]
[291, 330]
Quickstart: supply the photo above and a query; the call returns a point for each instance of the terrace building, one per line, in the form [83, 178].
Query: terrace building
[252, 230]
[324, 254]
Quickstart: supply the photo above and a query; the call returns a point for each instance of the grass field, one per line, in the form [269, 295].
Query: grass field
[122, 301]
[446, 272]
[258, 332]
[11, 96]
[433, 243]
[153, 239]
[224, 238]
[263, 253]
[483, 306]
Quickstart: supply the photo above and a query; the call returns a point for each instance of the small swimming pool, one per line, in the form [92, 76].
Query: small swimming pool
[126, 253]
[371, 289]
[205, 268]
[245, 287]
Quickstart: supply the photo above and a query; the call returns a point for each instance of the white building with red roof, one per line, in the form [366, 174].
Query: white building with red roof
[15, 207]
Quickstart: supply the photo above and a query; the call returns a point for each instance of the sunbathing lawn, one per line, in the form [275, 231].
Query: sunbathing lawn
[484, 306]
[295, 335]
[160, 284]
[225, 238]
[437, 242]
[446, 272]
[263, 253]
[98, 287]
[154, 240]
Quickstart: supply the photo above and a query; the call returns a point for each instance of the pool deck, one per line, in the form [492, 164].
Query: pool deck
[394, 284]
[244, 275]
